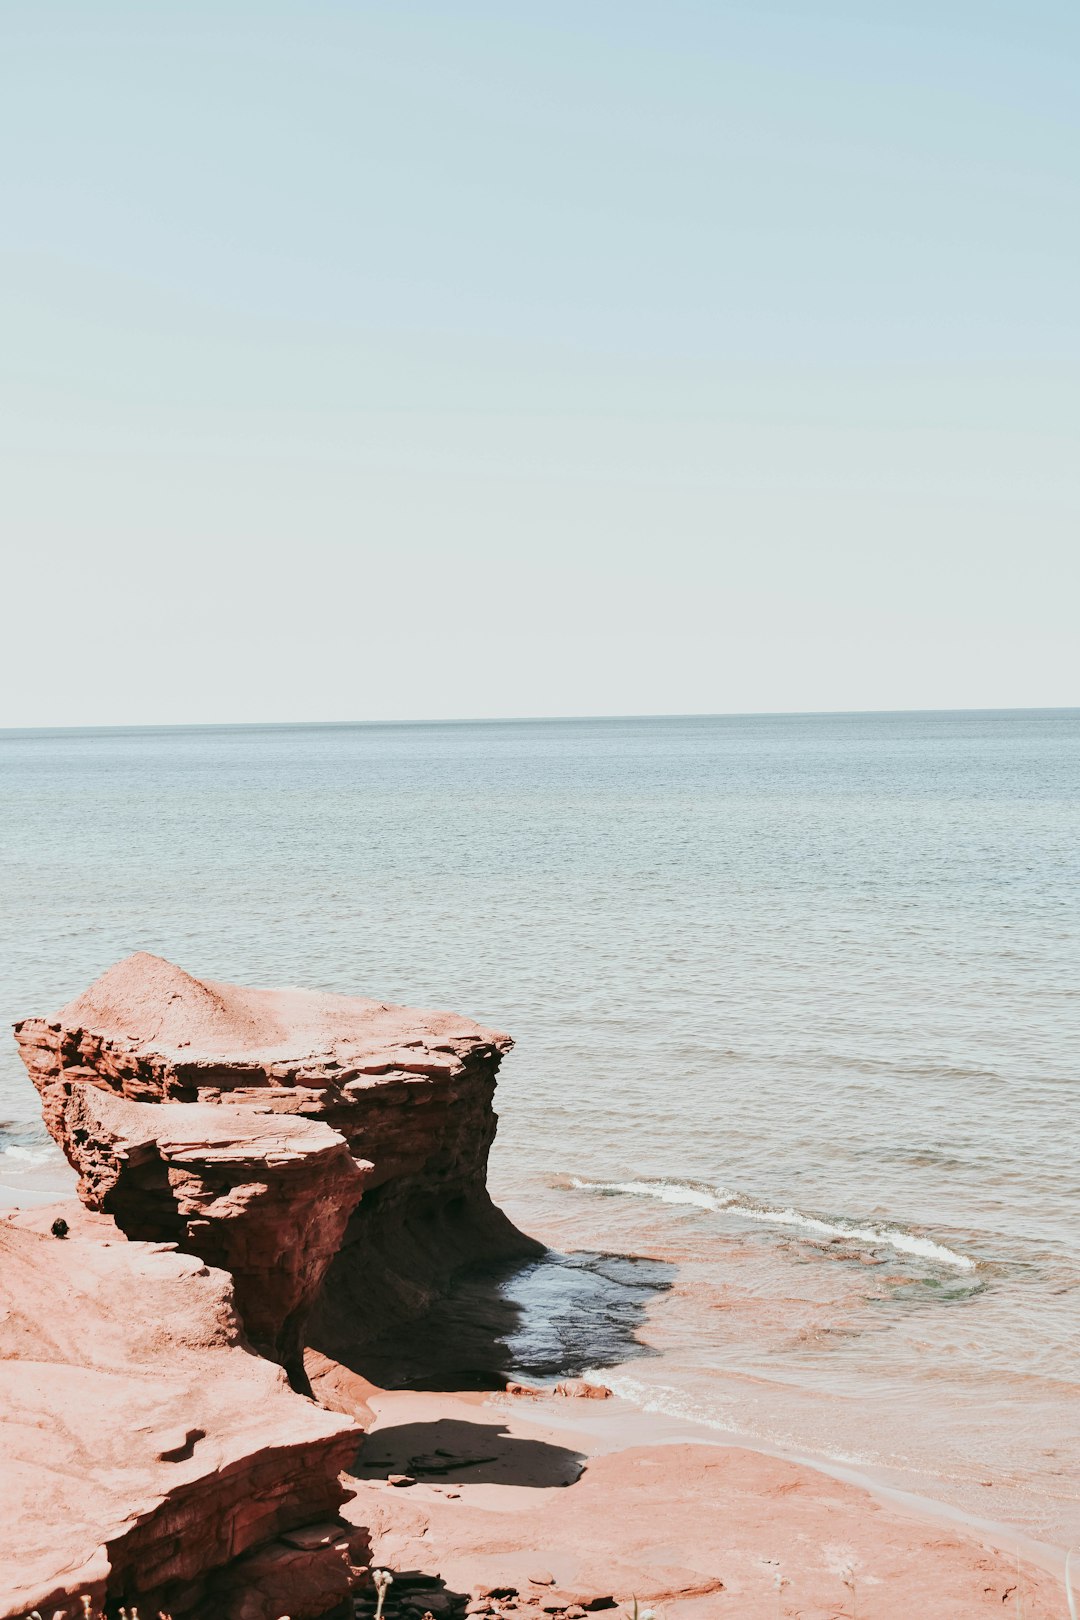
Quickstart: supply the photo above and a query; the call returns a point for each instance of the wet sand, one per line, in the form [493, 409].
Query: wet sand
[604, 1501]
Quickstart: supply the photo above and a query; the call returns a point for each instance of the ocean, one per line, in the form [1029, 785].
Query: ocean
[797, 1010]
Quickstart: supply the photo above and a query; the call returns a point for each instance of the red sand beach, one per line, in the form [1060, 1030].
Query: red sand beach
[168, 1443]
[567, 1489]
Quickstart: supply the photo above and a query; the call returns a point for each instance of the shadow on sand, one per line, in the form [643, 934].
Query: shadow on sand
[452, 1450]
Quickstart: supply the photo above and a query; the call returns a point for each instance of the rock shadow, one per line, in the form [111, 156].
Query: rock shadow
[554, 1316]
[451, 1451]
[412, 1591]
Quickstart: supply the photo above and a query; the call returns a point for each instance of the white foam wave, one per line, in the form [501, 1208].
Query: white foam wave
[902, 1242]
[30, 1155]
[665, 1400]
[661, 1399]
[673, 1192]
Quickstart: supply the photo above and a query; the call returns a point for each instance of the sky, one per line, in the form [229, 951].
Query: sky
[391, 361]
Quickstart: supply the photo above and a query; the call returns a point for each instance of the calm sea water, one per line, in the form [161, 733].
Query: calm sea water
[797, 1005]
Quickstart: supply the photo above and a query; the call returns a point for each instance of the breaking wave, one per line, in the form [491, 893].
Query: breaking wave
[662, 1399]
[665, 1400]
[30, 1155]
[873, 1236]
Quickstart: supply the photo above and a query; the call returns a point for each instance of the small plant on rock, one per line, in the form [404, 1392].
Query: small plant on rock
[382, 1580]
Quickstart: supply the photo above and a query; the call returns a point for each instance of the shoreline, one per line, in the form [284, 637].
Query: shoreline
[567, 1505]
[792, 1419]
[715, 1509]
[620, 1423]
[659, 1429]
[297, 1169]
[662, 1428]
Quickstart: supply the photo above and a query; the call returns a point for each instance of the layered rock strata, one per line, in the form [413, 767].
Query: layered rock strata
[265, 1198]
[146, 1454]
[330, 1151]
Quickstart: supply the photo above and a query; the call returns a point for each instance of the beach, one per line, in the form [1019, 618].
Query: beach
[557, 1501]
[530, 1500]
[607, 1503]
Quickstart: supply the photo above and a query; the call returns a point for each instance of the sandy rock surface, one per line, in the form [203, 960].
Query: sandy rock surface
[537, 1521]
[285, 1135]
[144, 1444]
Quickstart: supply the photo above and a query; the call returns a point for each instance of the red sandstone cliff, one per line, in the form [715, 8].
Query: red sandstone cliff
[303, 1134]
[145, 1452]
[328, 1155]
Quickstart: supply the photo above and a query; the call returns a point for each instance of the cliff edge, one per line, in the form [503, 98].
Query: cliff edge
[261, 1171]
[329, 1151]
[146, 1455]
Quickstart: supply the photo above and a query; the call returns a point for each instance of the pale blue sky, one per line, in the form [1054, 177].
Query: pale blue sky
[403, 360]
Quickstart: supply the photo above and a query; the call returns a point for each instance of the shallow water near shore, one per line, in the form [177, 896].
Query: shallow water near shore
[797, 1010]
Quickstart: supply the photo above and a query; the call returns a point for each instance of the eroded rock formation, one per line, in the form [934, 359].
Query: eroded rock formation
[327, 1150]
[145, 1452]
[318, 1152]
[266, 1198]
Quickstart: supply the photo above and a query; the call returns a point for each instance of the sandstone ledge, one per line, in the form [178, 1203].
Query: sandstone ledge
[265, 1198]
[145, 1448]
[266, 1155]
[358, 1201]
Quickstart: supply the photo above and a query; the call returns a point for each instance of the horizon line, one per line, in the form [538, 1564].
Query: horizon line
[106, 728]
